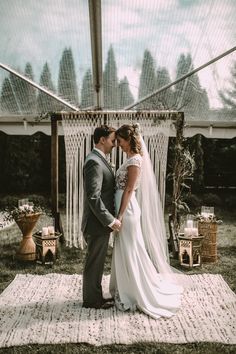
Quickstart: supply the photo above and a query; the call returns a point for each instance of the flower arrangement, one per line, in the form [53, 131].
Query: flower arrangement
[23, 210]
[208, 218]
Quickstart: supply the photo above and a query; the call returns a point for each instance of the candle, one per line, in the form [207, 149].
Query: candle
[190, 224]
[187, 231]
[45, 231]
[190, 231]
[204, 214]
[51, 230]
[207, 212]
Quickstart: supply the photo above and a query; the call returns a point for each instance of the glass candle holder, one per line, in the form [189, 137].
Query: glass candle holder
[191, 226]
[207, 212]
[31, 206]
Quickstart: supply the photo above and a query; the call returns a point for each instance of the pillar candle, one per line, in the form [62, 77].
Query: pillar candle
[189, 223]
[51, 230]
[194, 231]
[45, 231]
[187, 231]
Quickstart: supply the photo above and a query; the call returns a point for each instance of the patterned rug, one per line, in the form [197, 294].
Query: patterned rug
[47, 309]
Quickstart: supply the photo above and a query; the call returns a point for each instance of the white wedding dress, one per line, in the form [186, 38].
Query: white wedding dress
[135, 282]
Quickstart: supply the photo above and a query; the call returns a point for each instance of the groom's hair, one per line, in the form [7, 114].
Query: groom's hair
[102, 131]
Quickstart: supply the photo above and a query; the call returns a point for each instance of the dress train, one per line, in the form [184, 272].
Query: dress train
[135, 283]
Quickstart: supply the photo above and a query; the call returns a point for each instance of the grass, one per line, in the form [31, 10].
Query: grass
[71, 262]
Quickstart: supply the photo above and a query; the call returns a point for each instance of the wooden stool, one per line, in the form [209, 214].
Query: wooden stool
[190, 248]
[46, 248]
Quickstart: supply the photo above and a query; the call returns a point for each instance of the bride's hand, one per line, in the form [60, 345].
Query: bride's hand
[116, 226]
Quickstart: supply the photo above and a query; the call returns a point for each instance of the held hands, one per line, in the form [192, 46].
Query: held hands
[116, 226]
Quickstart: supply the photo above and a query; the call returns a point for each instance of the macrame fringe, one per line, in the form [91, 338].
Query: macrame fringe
[78, 132]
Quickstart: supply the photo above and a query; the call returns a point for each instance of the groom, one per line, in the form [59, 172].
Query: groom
[98, 220]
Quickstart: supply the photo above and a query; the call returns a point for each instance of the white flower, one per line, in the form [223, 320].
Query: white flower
[112, 165]
[137, 128]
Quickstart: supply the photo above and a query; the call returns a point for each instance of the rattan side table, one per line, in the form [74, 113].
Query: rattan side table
[209, 247]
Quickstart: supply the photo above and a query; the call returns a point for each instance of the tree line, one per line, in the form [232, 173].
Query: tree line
[18, 97]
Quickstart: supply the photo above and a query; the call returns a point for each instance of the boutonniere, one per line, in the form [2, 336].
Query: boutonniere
[112, 165]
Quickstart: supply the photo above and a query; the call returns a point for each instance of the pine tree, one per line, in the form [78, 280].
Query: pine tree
[124, 93]
[147, 82]
[8, 100]
[87, 90]
[193, 100]
[45, 103]
[67, 86]
[18, 89]
[180, 87]
[110, 82]
[204, 105]
[198, 176]
[166, 97]
[229, 96]
[30, 91]
[188, 93]
[25, 94]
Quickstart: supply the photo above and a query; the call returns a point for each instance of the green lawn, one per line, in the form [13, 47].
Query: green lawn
[71, 261]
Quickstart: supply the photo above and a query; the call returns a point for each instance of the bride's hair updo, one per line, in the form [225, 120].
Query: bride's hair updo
[131, 133]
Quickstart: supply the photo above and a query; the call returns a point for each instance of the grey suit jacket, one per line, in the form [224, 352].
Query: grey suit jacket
[99, 188]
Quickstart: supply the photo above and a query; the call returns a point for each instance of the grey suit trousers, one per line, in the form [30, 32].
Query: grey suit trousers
[93, 268]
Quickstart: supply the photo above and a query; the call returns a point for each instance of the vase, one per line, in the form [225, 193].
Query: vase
[27, 249]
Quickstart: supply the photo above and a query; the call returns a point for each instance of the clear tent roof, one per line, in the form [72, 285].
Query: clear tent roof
[145, 45]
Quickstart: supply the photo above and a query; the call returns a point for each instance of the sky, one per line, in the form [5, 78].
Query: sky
[38, 31]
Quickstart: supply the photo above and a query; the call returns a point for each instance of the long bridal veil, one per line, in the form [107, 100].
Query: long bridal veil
[152, 219]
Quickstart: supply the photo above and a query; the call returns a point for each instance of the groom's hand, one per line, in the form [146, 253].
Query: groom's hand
[116, 226]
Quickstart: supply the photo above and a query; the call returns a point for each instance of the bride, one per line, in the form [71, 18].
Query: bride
[141, 277]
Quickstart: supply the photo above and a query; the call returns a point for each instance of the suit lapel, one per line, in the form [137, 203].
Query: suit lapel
[104, 160]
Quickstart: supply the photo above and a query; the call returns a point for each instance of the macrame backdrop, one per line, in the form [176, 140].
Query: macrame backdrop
[78, 132]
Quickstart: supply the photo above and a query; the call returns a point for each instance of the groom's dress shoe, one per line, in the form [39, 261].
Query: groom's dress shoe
[107, 305]
[104, 305]
[108, 299]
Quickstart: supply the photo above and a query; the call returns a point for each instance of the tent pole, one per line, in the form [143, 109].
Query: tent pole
[55, 175]
[95, 19]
